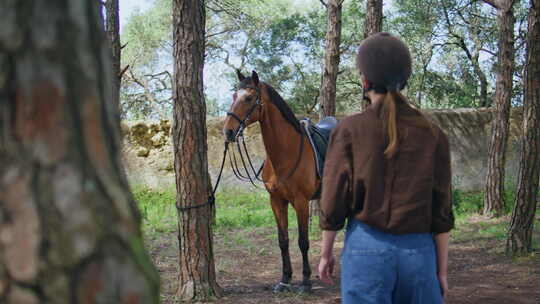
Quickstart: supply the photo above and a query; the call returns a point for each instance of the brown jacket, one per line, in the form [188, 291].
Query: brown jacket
[410, 193]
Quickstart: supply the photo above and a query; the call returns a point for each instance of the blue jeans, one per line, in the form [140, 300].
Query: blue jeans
[384, 268]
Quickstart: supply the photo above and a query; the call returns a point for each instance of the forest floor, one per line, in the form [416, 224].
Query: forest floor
[248, 260]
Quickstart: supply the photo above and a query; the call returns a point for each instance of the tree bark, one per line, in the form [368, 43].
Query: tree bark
[519, 241]
[374, 17]
[494, 190]
[372, 25]
[197, 278]
[331, 59]
[112, 26]
[69, 226]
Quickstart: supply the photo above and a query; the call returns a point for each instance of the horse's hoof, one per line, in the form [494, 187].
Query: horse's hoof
[282, 287]
[305, 288]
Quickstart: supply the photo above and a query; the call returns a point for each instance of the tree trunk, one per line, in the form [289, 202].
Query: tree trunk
[331, 58]
[494, 191]
[475, 60]
[372, 25]
[197, 272]
[69, 226]
[374, 17]
[112, 26]
[484, 100]
[519, 240]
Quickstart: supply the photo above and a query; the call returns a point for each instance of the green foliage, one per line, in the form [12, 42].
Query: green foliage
[147, 35]
[466, 203]
[146, 85]
[284, 41]
[444, 75]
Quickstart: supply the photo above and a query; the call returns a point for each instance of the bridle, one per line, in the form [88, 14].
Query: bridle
[239, 136]
[244, 121]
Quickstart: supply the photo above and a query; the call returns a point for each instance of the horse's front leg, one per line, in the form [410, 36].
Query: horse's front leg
[302, 215]
[280, 208]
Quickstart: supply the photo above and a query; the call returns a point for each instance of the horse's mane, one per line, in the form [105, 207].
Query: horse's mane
[278, 101]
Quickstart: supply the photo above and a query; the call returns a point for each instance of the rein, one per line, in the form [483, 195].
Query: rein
[212, 198]
[236, 169]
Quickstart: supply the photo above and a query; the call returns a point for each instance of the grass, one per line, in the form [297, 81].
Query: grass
[235, 210]
[249, 213]
[470, 224]
[157, 209]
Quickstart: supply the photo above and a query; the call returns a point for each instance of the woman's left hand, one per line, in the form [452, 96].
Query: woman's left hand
[443, 281]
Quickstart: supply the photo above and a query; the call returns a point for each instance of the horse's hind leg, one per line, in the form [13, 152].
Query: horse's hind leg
[280, 208]
[302, 214]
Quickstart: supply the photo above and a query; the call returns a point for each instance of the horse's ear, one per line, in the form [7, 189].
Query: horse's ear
[240, 75]
[255, 78]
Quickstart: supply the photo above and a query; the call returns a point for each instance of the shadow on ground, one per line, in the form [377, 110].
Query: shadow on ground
[248, 264]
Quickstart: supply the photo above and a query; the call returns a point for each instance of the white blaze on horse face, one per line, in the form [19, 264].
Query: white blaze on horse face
[241, 94]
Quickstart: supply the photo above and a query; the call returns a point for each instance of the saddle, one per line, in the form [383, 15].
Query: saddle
[319, 136]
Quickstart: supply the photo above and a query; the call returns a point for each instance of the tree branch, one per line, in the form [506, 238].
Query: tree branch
[122, 72]
[493, 3]
[460, 39]
[488, 51]
[218, 33]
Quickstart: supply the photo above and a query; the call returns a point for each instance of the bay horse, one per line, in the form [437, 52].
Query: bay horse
[289, 170]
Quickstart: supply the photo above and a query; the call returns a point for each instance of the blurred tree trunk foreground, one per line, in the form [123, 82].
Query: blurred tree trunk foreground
[69, 226]
[112, 26]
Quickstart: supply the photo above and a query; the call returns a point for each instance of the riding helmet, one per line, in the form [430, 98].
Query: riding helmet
[385, 61]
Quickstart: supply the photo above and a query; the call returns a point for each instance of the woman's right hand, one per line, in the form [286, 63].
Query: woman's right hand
[326, 269]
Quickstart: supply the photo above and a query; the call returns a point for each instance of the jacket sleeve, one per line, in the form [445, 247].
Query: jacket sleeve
[336, 182]
[442, 214]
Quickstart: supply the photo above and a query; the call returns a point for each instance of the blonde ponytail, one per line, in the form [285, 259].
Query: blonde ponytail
[390, 120]
[394, 104]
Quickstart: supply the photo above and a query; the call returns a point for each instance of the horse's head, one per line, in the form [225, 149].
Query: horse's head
[246, 106]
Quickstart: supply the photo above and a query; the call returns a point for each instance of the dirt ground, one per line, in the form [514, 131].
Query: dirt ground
[248, 263]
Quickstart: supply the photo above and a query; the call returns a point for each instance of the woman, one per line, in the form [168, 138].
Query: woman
[388, 174]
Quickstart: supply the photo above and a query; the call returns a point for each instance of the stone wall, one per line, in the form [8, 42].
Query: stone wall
[469, 132]
[149, 159]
